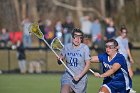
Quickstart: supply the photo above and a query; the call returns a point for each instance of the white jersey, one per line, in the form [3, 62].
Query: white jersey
[123, 45]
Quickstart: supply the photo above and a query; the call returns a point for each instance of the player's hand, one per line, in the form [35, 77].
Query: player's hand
[58, 60]
[131, 60]
[76, 78]
[96, 74]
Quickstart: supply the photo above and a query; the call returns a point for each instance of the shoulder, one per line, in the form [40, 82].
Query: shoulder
[118, 38]
[103, 55]
[84, 46]
[126, 39]
[68, 45]
[119, 56]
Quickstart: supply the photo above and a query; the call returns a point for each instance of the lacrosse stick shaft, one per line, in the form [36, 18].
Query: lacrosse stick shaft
[58, 57]
[91, 71]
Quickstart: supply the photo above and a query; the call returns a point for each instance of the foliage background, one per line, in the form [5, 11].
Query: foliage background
[125, 12]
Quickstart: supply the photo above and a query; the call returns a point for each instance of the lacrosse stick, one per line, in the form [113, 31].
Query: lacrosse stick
[34, 28]
[56, 44]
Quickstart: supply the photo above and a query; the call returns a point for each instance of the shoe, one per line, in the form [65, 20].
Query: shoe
[132, 91]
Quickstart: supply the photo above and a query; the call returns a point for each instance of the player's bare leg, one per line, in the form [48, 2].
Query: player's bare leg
[66, 89]
[130, 72]
[103, 89]
[131, 75]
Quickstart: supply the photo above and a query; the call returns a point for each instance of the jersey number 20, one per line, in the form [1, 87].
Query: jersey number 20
[73, 62]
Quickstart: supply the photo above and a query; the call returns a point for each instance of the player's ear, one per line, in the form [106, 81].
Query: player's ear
[117, 47]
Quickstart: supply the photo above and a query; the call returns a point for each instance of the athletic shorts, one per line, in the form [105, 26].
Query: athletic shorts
[80, 87]
[115, 88]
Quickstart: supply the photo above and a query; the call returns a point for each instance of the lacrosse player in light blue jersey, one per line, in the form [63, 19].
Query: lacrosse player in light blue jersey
[77, 56]
[125, 51]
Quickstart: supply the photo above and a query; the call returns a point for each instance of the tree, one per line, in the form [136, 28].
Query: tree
[78, 8]
[16, 3]
[33, 9]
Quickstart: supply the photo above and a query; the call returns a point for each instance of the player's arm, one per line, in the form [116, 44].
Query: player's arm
[86, 68]
[130, 56]
[114, 68]
[94, 59]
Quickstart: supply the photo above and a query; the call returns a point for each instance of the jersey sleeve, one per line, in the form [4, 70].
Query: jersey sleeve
[120, 60]
[100, 57]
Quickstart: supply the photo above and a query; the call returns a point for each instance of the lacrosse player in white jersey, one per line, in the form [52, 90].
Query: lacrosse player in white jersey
[77, 56]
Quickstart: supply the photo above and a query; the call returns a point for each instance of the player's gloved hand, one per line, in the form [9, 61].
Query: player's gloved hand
[59, 62]
[76, 79]
[75, 82]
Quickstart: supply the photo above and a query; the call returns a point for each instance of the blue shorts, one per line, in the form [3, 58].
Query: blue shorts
[115, 88]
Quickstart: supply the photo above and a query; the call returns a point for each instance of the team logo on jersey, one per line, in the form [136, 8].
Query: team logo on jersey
[74, 54]
[107, 65]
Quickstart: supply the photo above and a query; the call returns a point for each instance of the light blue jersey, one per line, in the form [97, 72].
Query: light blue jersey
[76, 57]
[75, 60]
[123, 46]
[120, 81]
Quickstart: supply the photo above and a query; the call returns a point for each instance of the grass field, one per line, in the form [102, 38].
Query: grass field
[46, 83]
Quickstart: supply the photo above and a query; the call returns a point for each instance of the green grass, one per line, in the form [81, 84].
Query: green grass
[46, 83]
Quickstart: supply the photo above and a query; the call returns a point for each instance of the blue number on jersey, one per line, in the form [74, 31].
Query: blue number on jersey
[73, 62]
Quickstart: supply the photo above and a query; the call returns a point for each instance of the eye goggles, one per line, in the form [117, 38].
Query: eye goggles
[77, 36]
[110, 46]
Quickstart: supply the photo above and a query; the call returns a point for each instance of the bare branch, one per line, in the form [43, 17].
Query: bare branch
[56, 2]
[64, 5]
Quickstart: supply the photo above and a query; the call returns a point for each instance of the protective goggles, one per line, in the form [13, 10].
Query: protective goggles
[77, 36]
[110, 45]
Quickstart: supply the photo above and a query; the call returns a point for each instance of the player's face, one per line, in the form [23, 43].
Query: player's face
[110, 48]
[123, 33]
[77, 38]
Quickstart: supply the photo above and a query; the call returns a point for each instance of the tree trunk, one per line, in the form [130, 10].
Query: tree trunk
[16, 4]
[23, 9]
[33, 9]
[121, 4]
[103, 11]
[79, 8]
[137, 2]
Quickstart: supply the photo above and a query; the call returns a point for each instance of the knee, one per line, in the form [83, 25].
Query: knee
[103, 89]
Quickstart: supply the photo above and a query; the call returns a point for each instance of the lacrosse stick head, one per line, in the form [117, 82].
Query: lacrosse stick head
[56, 44]
[34, 28]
